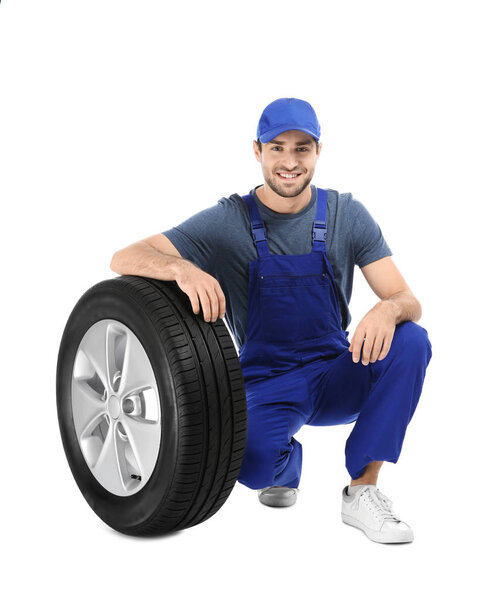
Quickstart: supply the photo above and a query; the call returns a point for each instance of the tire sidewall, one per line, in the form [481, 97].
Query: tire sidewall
[109, 301]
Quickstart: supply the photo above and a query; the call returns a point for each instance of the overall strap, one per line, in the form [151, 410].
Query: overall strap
[257, 226]
[319, 231]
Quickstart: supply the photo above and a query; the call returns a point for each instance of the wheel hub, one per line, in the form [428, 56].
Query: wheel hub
[114, 407]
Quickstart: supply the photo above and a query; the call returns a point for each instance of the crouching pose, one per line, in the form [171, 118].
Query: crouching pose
[278, 264]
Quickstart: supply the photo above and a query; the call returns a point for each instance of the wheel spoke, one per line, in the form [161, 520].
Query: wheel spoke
[95, 347]
[87, 406]
[107, 468]
[143, 437]
[116, 407]
[137, 373]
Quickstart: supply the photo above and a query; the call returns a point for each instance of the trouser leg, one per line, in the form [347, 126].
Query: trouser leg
[276, 410]
[381, 396]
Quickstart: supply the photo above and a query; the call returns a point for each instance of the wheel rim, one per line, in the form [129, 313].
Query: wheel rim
[116, 408]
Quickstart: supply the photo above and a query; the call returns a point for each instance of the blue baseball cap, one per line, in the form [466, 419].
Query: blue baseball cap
[285, 114]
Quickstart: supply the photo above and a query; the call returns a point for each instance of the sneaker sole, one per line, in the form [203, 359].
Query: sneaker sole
[376, 536]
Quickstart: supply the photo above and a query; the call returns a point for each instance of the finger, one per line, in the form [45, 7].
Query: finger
[206, 306]
[222, 301]
[356, 346]
[377, 347]
[214, 303]
[194, 301]
[386, 347]
[367, 347]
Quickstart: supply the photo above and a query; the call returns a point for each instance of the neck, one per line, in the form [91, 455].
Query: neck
[284, 205]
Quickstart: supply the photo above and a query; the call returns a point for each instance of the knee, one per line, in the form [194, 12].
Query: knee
[415, 341]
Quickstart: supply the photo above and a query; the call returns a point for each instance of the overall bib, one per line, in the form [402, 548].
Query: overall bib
[298, 370]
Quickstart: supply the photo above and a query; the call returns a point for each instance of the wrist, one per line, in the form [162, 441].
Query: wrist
[393, 308]
[179, 267]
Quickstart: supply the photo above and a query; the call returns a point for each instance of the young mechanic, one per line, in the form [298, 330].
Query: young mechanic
[278, 264]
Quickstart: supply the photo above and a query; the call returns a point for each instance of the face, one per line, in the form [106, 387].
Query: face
[288, 162]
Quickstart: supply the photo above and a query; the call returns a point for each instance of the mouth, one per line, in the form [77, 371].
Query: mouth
[285, 176]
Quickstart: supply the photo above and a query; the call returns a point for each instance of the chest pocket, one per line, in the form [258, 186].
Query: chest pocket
[296, 307]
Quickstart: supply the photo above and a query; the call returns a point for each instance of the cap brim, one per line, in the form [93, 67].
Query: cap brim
[271, 134]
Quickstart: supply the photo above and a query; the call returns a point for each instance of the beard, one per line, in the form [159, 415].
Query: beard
[291, 191]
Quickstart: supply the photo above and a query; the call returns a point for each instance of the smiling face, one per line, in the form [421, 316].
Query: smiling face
[288, 162]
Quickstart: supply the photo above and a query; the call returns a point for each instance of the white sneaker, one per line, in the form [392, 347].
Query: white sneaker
[371, 511]
[278, 495]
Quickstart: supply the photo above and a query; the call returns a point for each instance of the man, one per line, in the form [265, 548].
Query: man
[278, 263]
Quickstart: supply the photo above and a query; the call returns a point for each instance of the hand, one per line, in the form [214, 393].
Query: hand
[377, 329]
[199, 285]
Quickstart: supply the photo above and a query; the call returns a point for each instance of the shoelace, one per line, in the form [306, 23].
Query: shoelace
[381, 503]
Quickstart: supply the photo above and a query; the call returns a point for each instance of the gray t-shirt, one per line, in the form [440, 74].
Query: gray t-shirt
[218, 240]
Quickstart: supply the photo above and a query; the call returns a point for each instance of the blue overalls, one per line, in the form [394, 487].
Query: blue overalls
[298, 369]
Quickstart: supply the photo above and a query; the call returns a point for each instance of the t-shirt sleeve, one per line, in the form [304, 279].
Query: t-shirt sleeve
[198, 238]
[367, 238]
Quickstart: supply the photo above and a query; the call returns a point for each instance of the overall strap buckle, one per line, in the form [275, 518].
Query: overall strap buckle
[258, 232]
[319, 231]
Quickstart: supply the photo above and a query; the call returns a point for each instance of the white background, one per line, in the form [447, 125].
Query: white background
[119, 120]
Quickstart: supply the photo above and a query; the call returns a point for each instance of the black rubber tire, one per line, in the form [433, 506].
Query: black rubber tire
[202, 399]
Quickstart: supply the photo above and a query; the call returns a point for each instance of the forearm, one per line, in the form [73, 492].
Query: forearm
[404, 306]
[144, 260]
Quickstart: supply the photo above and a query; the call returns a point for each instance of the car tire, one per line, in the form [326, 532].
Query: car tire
[149, 460]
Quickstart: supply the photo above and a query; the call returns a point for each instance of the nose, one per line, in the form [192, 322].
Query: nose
[290, 161]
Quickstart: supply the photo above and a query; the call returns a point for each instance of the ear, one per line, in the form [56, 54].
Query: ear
[257, 152]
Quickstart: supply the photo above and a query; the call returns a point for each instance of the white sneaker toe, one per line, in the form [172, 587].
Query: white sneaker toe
[397, 531]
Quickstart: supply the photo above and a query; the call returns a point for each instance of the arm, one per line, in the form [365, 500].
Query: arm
[156, 257]
[388, 284]
[397, 304]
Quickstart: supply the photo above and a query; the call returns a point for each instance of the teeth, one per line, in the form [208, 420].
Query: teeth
[289, 176]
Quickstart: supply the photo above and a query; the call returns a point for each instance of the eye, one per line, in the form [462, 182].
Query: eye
[303, 149]
[275, 147]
